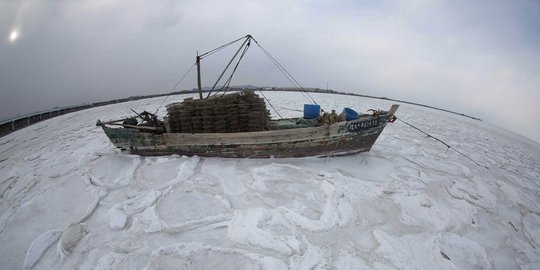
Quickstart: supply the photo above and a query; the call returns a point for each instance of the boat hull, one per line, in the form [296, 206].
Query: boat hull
[340, 138]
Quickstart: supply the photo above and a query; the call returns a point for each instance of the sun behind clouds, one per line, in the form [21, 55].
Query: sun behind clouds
[13, 36]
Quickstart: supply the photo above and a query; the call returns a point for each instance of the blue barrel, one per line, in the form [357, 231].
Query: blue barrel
[312, 111]
[350, 114]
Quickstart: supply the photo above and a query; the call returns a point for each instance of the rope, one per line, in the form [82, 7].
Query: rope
[265, 98]
[227, 67]
[225, 86]
[441, 141]
[174, 88]
[220, 48]
[244, 47]
[285, 72]
[287, 75]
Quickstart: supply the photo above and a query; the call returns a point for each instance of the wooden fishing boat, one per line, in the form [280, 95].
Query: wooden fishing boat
[238, 125]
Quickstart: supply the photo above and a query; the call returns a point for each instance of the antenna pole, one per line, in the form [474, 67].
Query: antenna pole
[198, 62]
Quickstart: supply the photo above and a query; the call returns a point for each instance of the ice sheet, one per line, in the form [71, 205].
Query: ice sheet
[409, 203]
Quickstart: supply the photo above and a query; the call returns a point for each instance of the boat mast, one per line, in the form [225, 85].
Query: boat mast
[198, 62]
[199, 57]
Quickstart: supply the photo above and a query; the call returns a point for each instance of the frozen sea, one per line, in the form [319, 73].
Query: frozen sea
[70, 200]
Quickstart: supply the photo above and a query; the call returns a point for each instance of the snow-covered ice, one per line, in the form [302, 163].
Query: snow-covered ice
[39, 246]
[70, 200]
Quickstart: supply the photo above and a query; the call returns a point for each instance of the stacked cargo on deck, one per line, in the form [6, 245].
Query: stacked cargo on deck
[238, 112]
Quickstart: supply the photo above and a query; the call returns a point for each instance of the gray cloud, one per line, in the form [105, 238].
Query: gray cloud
[479, 58]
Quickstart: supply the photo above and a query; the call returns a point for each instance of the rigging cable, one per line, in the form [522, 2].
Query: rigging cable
[225, 86]
[245, 45]
[265, 98]
[286, 74]
[174, 88]
[284, 71]
[220, 48]
[228, 65]
[441, 141]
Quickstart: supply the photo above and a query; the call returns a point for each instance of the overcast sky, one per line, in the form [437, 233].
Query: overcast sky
[477, 57]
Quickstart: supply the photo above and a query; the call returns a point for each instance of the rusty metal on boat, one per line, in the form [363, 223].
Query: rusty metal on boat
[238, 125]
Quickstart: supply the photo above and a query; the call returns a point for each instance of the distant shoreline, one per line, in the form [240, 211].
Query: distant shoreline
[13, 124]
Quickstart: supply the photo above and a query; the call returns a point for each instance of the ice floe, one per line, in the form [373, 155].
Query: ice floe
[409, 203]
